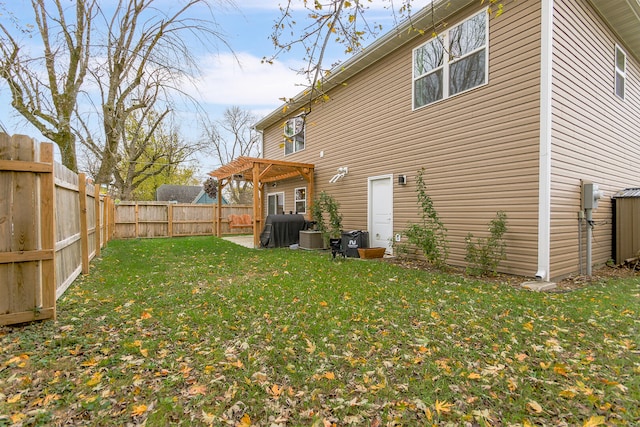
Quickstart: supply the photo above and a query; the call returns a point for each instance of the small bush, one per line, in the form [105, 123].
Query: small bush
[326, 206]
[430, 235]
[484, 255]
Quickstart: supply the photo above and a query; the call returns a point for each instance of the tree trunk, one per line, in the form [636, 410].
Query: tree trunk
[66, 142]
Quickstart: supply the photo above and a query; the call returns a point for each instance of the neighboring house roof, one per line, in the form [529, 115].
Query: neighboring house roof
[623, 16]
[204, 198]
[177, 193]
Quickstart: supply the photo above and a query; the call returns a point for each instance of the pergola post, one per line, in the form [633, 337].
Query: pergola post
[257, 208]
[219, 210]
[310, 191]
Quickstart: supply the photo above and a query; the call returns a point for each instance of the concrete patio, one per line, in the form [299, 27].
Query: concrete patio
[245, 240]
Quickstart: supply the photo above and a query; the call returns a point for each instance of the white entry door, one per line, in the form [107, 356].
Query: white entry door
[381, 211]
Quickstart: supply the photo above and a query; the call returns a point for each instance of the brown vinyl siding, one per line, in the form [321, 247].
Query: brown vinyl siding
[479, 149]
[596, 135]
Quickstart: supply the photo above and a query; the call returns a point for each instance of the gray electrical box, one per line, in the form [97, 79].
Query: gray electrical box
[590, 195]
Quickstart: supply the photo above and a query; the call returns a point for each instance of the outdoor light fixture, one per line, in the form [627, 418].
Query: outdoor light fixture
[342, 171]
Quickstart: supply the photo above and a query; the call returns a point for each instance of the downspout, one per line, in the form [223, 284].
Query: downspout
[544, 179]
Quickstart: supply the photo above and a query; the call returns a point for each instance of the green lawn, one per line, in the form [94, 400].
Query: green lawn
[199, 331]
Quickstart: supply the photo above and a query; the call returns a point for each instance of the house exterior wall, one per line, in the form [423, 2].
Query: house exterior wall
[479, 149]
[595, 135]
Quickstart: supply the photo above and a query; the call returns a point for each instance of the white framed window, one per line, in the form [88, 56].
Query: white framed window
[300, 196]
[275, 203]
[621, 72]
[452, 62]
[294, 130]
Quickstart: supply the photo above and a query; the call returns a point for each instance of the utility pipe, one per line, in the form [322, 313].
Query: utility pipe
[589, 218]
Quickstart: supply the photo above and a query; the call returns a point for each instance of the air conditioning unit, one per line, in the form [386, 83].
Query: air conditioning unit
[293, 126]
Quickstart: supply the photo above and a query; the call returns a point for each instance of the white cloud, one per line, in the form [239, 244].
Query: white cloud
[244, 80]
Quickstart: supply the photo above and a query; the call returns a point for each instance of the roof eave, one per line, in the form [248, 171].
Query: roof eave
[380, 48]
[623, 17]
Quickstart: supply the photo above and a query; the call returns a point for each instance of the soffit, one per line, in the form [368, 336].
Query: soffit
[623, 16]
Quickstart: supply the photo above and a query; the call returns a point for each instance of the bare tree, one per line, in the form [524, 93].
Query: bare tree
[146, 59]
[138, 57]
[151, 150]
[229, 138]
[45, 87]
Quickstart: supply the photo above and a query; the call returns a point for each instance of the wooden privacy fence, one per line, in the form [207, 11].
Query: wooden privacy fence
[52, 223]
[164, 219]
[48, 231]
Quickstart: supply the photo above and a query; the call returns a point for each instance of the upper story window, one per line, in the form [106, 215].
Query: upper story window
[294, 135]
[451, 63]
[621, 75]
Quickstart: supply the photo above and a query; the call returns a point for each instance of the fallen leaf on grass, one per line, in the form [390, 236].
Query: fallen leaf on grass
[95, 379]
[237, 364]
[521, 356]
[197, 389]
[20, 360]
[327, 375]
[208, 418]
[443, 407]
[560, 370]
[311, 347]
[16, 418]
[569, 393]
[139, 410]
[594, 421]
[245, 421]
[533, 406]
[14, 398]
[275, 390]
[90, 362]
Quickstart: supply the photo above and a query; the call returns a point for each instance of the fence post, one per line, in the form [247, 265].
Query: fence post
[112, 218]
[84, 231]
[170, 220]
[48, 230]
[214, 225]
[105, 215]
[96, 200]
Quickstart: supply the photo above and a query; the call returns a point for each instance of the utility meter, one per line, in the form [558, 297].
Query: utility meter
[590, 195]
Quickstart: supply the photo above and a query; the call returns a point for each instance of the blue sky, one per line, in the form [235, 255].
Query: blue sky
[228, 77]
[251, 84]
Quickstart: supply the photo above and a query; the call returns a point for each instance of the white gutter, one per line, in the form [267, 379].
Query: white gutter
[544, 179]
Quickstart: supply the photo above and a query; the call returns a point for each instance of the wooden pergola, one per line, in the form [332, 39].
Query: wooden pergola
[260, 172]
